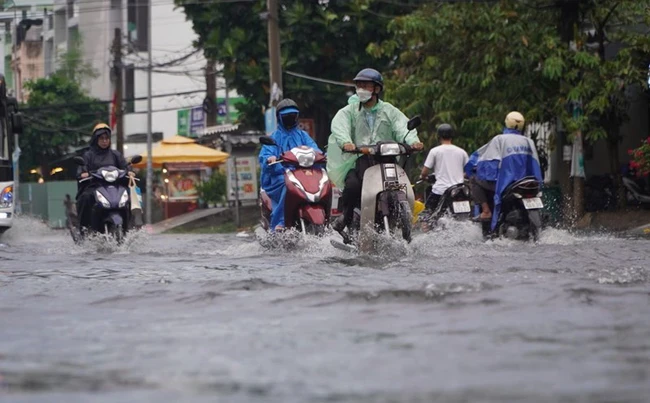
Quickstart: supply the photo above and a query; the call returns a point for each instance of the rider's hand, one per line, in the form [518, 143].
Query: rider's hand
[349, 147]
[83, 175]
[417, 146]
[271, 159]
[131, 174]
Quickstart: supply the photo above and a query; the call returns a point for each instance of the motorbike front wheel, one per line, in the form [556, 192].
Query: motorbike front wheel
[405, 220]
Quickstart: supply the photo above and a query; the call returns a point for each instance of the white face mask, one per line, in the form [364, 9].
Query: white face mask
[364, 95]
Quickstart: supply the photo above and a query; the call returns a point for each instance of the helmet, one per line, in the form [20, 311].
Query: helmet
[370, 75]
[445, 131]
[287, 105]
[102, 126]
[515, 120]
[287, 111]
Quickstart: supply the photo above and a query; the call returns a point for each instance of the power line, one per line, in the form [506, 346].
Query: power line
[322, 80]
[64, 106]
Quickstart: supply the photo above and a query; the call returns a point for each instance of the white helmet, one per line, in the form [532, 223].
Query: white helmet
[515, 120]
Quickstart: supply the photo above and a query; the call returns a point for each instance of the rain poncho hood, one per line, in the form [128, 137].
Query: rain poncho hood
[505, 159]
[97, 157]
[350, 125]
[272, 177]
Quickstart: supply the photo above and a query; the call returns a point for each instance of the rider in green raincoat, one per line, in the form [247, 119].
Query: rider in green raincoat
[366, 120]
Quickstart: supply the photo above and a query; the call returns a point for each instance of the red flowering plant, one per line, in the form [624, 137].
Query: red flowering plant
[640, 158]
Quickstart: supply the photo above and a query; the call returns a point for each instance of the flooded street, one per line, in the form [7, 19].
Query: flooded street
[204, 318]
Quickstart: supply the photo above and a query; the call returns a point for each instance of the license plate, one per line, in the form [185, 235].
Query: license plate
[461, 207]
[532, 203]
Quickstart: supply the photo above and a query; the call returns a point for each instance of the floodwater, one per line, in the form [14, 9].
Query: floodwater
[205, 318]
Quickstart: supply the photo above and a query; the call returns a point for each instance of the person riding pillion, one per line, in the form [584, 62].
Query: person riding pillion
[99, 155]
[506, 158]
[446, 162]
[287, 136]
[366, 122]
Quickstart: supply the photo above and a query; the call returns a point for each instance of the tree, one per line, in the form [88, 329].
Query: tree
[59, 118]
[606, 69]
[469, 64]
[326, 39]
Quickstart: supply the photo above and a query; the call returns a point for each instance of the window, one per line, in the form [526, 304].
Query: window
[138, 24]
[129, 89]
[70, 9]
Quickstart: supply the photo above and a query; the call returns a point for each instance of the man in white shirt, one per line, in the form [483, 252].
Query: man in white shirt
[447, 162]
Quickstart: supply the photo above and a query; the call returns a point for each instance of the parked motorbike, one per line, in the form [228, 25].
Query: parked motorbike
[455, 201]
[520, 215]
[386, 195]
[111, 213]
[309, 191]
[635, 193]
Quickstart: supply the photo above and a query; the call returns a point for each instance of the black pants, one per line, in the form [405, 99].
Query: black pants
[351, 196]
[85, 202]
[482, 191]
[432, 201]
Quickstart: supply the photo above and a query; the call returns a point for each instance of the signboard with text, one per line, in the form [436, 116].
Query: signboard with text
[308, 126]
[243, 178]
[197, 120]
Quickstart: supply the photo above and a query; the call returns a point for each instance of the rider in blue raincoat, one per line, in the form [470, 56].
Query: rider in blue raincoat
[507, 158]
[287, 136]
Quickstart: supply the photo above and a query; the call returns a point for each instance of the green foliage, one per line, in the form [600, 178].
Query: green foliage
[59, 115]
[321, 39]
[214, 189]
[469, 64]
[63, 123]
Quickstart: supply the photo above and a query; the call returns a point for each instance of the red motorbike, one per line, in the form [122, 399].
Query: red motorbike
[309, 190]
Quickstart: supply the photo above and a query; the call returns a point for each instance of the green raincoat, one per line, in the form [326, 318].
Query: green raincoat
[350, 125]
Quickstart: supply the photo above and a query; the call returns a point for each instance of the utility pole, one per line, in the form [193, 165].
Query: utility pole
[117, 71]
[149, 187]
[275, 72]
[211, 89]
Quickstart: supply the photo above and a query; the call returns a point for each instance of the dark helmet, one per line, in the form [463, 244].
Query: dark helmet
[445, 131]
[285, 105]
[288, 112]
[370, 75]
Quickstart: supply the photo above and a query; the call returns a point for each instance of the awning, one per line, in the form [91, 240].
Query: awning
[183, 149]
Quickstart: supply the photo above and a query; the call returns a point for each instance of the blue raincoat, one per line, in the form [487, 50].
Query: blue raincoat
[272, 178]
[507, 158]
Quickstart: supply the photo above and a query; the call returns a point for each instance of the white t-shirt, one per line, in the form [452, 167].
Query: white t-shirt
[447, 163]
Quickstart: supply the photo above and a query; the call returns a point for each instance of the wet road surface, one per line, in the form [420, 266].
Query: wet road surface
[204, 318]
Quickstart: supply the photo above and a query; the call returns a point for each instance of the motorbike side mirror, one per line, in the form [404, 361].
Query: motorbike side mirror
[414, 122]
[79, 161]
[136, 159]
[267, 141]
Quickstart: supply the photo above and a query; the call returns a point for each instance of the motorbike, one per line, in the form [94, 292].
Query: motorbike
[634, 193]
[520, 215]
[309, 191]
[111, 212]
[387, 196]
[455, 201]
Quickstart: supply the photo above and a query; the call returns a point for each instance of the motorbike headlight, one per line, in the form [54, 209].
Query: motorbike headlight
[110, 176]
[7, 196]
[389, 149]
[124, 198]
[101, 199]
